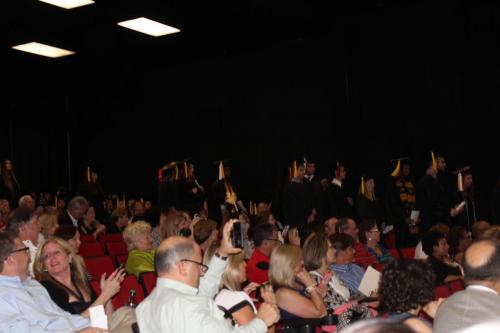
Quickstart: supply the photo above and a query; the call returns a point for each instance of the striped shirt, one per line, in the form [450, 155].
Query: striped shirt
[350, 274]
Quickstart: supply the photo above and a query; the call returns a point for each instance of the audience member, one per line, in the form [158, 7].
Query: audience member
[479, 302]
[70, 234]
[266, 240]
[182, 300]
[141, 254]
[350, 273]
[436, 247]
[77, 207]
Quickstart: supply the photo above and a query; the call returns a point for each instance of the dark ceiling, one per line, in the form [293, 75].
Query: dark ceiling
[208, 29]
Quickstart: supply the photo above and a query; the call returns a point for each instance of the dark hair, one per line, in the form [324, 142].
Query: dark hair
[7, 245]
[66, 231]
[263, 232]
[340, 242]
[17, 218]
[365, 227]
[203, 229]
[166, 259]
[430, 240]
[490, 271]
[406, 284]
[456, 234]
[314, 251]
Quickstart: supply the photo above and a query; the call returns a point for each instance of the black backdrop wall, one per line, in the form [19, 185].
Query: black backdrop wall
[375, 85]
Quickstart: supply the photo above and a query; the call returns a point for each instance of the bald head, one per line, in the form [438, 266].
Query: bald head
[172, 250]
[482, 261]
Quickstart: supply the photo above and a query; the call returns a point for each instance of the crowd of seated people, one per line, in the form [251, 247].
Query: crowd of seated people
[204, 283]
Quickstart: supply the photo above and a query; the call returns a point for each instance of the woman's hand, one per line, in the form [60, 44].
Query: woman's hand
[305, 278]
[111, 285]
[250, 287]
[267, 294]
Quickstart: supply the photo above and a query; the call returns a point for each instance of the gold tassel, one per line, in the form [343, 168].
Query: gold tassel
[176, 172]
[88, 174]
[460, 182]
[434, 163]
[221, 171]
[295, 171]
[186, 170]
[395, 173]
[362, 186]
[251, 208]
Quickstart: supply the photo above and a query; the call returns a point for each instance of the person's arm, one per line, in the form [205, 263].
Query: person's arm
[209, 283]
[244, 315]
[303, 307]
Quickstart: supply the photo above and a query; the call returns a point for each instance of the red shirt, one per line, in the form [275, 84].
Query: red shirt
[258, 267]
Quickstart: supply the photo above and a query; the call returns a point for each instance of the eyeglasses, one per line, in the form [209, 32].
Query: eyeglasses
[203, 267]
[24, 249]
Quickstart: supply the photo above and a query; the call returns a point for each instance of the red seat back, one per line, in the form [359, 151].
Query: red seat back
[121, 298]
[87, 238]
[148, 280]
[116, 248]
[98, 266]
[121, 259]
[94, 249]
[390, 239]
[104, 238]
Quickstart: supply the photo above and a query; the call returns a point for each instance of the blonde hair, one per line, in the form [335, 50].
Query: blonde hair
[171, 225]
[76, 264]
[284, 259]
[134, 230]
[47, 221]
[231, 275]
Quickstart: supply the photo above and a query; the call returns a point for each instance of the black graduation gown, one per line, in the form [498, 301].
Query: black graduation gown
[297, 205]
[432, 202]
[367, 209]
[319, 198]
[338, 205]
[167, 196]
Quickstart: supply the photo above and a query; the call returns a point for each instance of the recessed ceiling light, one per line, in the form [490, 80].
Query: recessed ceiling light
[149, 27]
[43, 50]
[68, 4]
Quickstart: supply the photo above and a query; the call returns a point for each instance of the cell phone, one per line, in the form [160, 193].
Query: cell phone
[185, 232]
[238, 238]
[120, 266]
[258, 295]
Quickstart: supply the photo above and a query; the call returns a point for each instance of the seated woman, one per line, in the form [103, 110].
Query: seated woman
[63, 274]
[407, 287]
[70, 234]
[89, 225]
[118, 221]
[234, 301]
[141, 254]
[369, 236]
[319, 254]
[291, 284]
[436, 247]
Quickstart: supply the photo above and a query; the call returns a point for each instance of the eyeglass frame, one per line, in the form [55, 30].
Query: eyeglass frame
[24, 249]
[203, 267]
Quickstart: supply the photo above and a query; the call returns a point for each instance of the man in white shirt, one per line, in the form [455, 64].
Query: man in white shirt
[480, 301]
[23, 223]
[183, 298]
[25, 305]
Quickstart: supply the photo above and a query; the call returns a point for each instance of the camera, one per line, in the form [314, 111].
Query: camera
[238, 236]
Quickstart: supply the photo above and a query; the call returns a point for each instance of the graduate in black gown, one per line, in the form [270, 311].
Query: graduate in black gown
[168, 176]
[223, 199]
[367, 205]
[191, 193]
[318, 192]
[92, 190]
[340, 204]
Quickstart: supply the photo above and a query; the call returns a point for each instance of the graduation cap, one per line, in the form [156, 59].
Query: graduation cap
[397, 168]
[168, 169]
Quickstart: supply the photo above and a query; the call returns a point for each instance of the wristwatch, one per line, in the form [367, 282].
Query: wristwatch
[219, 256]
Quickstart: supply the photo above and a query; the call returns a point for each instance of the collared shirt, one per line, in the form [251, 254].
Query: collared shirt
[483, 288]
[33, 250]
[26, 307]
[350, 274]
[75, 221]
[337, 182]
[175, 307]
